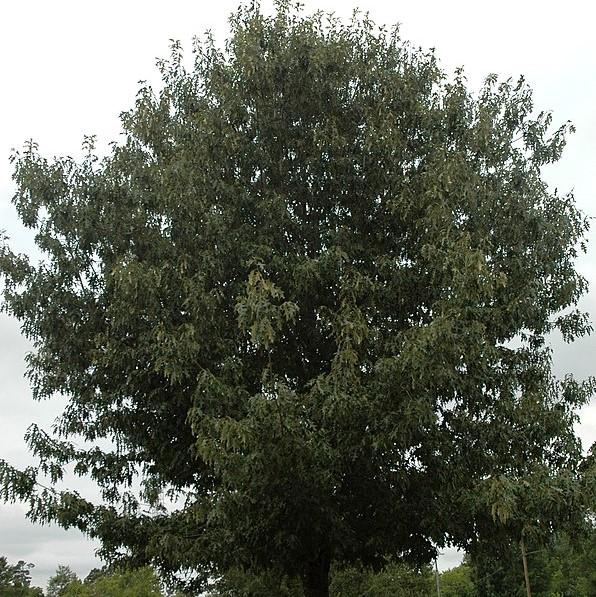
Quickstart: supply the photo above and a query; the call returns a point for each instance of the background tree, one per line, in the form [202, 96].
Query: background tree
[570, 566]
[138, 583]
[395, 579]
[307, 296]
[458, 582]
[15, 580]
[57, 584]
[564, 568]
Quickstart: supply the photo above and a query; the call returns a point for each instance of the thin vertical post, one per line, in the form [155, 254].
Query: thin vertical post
[437, 579]
[525, 561]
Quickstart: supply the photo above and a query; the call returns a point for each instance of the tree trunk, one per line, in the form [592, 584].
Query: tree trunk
[315, 580]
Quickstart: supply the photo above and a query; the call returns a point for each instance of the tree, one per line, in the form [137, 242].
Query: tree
[570, 566]
[58, 583]
[307, 297]
[15, 580]
[395, 579]
[564, 568]
[457, 582]
[138, 583]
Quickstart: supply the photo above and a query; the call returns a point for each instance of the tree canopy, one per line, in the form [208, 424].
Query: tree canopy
[15, 579]
[60, 581]
[109, 583]
[306, 297]
[564, 567]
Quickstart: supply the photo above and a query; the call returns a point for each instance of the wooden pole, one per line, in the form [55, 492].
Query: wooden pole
[525, 561]
[437, 579]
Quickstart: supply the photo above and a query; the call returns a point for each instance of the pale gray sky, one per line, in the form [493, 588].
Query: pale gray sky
[69, 68]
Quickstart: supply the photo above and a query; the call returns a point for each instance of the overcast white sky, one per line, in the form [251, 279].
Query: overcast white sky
[68, 68]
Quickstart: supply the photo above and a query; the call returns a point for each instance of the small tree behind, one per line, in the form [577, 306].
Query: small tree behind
[15, 580]
[138, 583]
[58, 583]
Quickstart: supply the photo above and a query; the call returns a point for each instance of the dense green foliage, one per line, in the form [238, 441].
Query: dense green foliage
[393, 580]
[565, 568]
[139, 583]
[562, 569]
[58, 583]
[104, 583]
[458, 582]
[15, 580]
[307, 296]
[238, 583]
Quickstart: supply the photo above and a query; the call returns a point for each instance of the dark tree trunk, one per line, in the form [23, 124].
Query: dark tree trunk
[315, 580]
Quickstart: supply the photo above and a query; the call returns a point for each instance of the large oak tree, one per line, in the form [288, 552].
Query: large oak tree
[308, 295]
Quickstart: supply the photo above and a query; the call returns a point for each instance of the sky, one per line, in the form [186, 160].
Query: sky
[68, 68]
